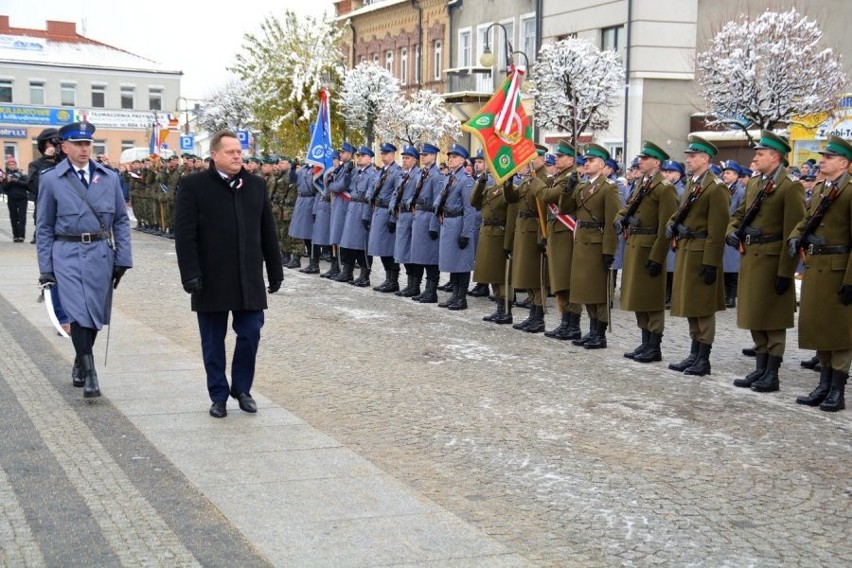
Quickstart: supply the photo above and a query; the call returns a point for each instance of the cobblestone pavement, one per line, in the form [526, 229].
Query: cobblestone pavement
[565, 456]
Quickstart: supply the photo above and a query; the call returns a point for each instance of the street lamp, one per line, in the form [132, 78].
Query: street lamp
[487, 57]
[185, 113]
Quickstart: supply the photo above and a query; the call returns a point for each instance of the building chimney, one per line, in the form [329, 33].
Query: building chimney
[61, 29]
[4, 25]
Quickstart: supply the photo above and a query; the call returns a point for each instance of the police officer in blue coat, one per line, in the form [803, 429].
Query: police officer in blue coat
[321, 232]
[731, 172]
[674, 172]
[353, 240]
[458, 224]
[338, 184]
[425, 228]
[302, 223]
[83, 238]
[382, 241]
[401, 218]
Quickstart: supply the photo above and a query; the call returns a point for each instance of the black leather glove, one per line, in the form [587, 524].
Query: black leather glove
[607, 260]
[618, 225]
[654, 268]
[117, 273]
[463, 242]
[732, 240]
[366, 223]
[47, 278]
[793, 246]
[782, 284]
[274, 286]
[391, 227]
[192, 285]
[670, 231]
[845, 294]
[433, 235]
[709, 274]
[542, 245]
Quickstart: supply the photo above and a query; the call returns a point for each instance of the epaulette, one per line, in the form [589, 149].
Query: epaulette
[664, 181]
[46, 169]
[792, 178]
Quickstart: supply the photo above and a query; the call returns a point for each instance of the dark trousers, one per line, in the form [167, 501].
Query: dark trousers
[355, 256]
[432, 272]
[415, 270]
[213, 326]
[18, 215]
[83, 338]
[389, 264]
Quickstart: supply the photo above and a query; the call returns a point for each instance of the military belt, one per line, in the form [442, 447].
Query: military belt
[306, 194]
[453, 213]
[589, 225]
[358, 200]
[761, 239]
[824, 249]
[527, 214]
[633, 230]
[496, 223]
[697, 235]
[421, 207]
[382, 203]
[84, 238]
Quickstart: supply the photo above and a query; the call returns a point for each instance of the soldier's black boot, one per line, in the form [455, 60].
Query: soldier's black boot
[415, 288]
[448, 287]
[461, 298]
[90, 377]
[652, 352]
[769, 382]
[593, 328]
[479, 291]
[523, 324]
[686, 363]
[559, 329]
[644, 345]
[759, 369]
[536, 325]
[409, 280]
[455, 290]
[363, 280]
[526, 303]
[573, 329]
[835, 400]
[391, 283]
[505, 314]
[701, 366]
[599, 340]
[429, 295]
[345, 273]
[817, 396]
[285, 258]
[77, 375]
[810, 363]
[295, 261]
[333, 270]
[313, 265]
[499, 311]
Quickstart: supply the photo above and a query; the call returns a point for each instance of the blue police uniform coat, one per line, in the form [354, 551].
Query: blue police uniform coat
[354, 233]
[339, 184]
[670, 257]
[403, 198]
[424, 250]
[302, 223]
[321, 234]
[731, 256]
[83, 270]
[381, 241]
[623, 190]
[459, 221]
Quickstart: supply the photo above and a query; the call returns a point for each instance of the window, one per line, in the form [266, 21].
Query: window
[68, 94]
[417, 64]
[155, 99]
[501, 53]
[376, 58]
[127, 97]
[464, 49]
[363, 59]
[99, 147]
[10, 149]
[613, 39]
[403, 65]
[36, 93]
[484, 82]
[127, 145]
[98, 96]
[389, 61]
[5, 90]
[528, 37]
[439, 60]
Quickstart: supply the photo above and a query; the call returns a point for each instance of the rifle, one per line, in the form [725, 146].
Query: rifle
[815, 220]
[684, 210]
[424, 175]
[378, 188]
[752, 212]
[445, 193]
[400, 192]
[634, 205]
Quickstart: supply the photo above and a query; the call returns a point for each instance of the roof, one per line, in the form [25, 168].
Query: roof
[60, 45]
[381, 5]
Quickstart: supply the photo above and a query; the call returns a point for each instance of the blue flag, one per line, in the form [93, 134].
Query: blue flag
[320, 150]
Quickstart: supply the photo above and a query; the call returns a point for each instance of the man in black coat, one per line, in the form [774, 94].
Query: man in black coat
[224, 234]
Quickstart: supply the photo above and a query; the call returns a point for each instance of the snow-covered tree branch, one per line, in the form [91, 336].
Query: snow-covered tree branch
[423, 117]
[227, 108]
[368, 90]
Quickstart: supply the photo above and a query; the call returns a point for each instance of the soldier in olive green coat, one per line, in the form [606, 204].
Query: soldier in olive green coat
[597, 202]
[642, 224]
[825, 237]
[698, 231]
[774, 203]
[490, 264]
[559, 193]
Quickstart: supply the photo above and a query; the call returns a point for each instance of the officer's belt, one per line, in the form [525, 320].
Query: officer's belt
[527, 214]
[589, 225]
[424, 207]
[634, 230]
[382, 203]
[697, 235]
[824, 249]
[761, 239]
[454, 213]
[496, 223]
[306, 194]
[84, 238]
[358, 200]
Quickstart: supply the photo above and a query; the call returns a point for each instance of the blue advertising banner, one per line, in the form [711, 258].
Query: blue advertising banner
[41, 116]
[13, 132]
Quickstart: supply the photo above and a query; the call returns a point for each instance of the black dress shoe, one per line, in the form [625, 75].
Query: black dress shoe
[247, 403]
[219, 409]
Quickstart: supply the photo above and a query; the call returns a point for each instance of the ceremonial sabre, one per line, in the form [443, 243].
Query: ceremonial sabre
[48, 303]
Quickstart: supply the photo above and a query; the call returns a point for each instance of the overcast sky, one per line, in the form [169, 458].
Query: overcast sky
[198, 38]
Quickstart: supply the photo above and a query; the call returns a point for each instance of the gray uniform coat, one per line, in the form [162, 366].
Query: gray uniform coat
[381, 242]
[424, 249]
[460, 220]
[403, 197]
[339, 184]
[302, 223]
[354, 234]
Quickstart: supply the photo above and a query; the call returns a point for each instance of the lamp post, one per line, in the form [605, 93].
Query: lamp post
[487, 57]
[185, 113]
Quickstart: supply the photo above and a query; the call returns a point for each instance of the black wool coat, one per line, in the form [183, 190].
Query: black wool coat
[224, 235]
